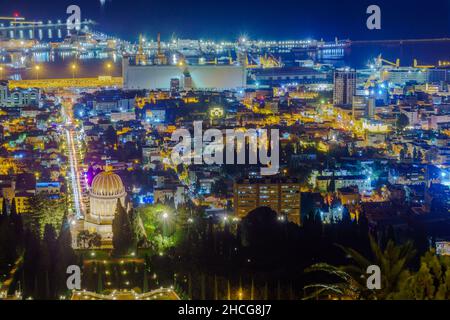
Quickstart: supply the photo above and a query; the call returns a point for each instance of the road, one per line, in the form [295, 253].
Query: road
[76, 175]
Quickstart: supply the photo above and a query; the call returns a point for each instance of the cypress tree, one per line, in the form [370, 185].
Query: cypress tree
[49, 260]
[4, 209]
[122, 233]
[65, 255]
[99, 283]
[216, 289]
[145, 282]
[17, 225]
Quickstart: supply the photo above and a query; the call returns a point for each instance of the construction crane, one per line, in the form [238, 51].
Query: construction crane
[250, 63]
[416, 65]
[141, 59]
[160, 56]
[269, 61]
[380, 62]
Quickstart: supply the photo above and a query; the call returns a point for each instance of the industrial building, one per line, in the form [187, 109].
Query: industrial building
[198, 77]
[289, 75]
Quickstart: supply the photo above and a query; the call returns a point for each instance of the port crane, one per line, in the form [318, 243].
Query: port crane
[381, 67]
[141, 58]
[160, 57]
[380, 60]
[263, 61]
[416, 65]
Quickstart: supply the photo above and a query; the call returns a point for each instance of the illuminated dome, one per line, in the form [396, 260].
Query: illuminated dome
[107, 184]
[107, 188]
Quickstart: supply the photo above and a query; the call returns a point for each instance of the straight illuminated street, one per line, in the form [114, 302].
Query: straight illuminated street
[72, 148]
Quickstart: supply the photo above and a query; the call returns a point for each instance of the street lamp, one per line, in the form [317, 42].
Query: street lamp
[109, 67]
[74, 69]
[37, 68]
[165, 217]
[1, 73]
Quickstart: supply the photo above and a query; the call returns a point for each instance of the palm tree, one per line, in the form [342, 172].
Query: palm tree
[351, 280]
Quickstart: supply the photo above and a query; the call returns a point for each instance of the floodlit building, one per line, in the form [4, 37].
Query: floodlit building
[286, 75]
[106, 189]
[199, 77]
[344, 86]
[401, 76]
[281, 195]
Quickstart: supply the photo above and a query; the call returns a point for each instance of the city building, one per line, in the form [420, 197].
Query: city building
[107, 188]
[281, 195]
[48, 188]
[22, 202]
[402, 76]
[200, 77]
[344, 86]
[289, 75]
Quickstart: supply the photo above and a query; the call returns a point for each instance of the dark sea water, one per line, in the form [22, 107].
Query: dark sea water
[93, 64]
[58, 65]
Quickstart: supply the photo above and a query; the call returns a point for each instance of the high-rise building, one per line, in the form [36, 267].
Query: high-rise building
[371, 107]
[174, 85]
[344, 86]
[281, 195]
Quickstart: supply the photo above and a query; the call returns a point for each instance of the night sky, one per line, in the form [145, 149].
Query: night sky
[227, 20]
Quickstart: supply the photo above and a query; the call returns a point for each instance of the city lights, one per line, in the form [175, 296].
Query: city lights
[227, 158]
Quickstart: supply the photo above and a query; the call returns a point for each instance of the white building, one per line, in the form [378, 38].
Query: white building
[208, 77]
[107, 188]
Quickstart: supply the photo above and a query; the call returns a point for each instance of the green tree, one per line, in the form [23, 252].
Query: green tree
[352, 279]
[430, 282]
[95, 240]
[83, 238]
[4, 208]
[44, 211]
[16, 225]
[122, 231]
[402, 122]
[65, 256]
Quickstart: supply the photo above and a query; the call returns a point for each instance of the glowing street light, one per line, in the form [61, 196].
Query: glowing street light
[1, 72]
[165, 220]
[37, 68]
[74, 69]
[109, 67]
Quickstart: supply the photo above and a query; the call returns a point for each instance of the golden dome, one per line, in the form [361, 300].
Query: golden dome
[107, 184]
